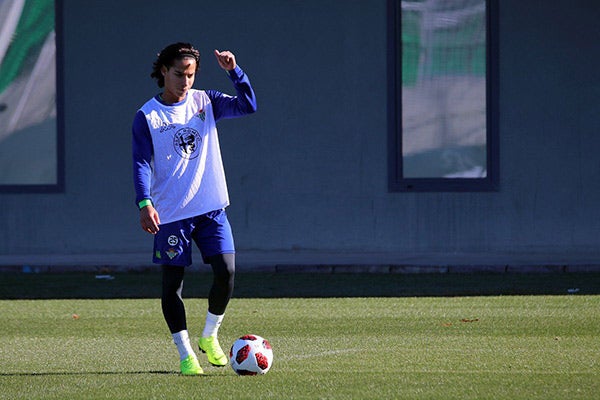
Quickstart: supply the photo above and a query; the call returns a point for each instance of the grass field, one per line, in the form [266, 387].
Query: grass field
[465, 347]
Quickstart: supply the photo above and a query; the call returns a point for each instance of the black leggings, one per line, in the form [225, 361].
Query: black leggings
[223, 266]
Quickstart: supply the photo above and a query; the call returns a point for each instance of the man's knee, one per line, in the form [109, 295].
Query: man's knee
[223, 266]
[172, 279]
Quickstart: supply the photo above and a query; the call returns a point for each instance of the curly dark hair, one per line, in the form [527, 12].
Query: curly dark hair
[168, 55]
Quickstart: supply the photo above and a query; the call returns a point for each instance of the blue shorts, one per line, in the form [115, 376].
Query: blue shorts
[211, 232]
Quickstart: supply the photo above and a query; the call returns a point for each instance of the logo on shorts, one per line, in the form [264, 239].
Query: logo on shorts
[172, 253]
[173, 240]
[187, 143]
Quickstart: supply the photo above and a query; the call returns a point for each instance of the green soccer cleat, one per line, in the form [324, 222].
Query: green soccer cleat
[213, 350]
[191, 366]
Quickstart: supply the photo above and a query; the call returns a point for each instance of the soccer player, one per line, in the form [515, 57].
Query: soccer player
[181, 191]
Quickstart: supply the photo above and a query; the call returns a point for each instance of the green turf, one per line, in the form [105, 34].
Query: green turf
[496, 347]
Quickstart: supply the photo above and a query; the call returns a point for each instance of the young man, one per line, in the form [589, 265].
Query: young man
[181, 191]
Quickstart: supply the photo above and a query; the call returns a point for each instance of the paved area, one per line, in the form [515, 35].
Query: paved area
[322, 261]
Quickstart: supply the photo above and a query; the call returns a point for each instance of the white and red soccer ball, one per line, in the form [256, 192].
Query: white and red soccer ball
[251, 355]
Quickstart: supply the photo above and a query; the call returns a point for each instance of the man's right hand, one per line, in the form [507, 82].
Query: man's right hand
[149, 219]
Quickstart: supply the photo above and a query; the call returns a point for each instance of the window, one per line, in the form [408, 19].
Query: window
[442, 95]
[30, 136]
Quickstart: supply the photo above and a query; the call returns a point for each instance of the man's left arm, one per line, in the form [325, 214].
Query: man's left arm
[244, 102]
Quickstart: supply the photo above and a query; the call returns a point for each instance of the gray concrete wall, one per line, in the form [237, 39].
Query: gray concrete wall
[309, 170]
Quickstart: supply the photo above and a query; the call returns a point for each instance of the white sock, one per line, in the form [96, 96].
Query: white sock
[211, 327]
[182, 341]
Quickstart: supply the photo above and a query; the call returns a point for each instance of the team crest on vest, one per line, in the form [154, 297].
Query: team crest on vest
[187, 143]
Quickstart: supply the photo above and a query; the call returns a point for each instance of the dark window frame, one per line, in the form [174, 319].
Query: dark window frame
[396, 181]
[59, 186]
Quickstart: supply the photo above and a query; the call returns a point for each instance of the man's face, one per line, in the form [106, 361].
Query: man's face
[179, 78]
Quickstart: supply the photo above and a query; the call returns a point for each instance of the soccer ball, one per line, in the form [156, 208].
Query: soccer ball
[251, 355]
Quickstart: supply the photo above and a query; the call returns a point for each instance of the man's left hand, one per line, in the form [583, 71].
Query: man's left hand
[226, 59]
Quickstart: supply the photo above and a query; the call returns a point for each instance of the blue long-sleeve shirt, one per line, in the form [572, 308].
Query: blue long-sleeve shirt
[148, 123]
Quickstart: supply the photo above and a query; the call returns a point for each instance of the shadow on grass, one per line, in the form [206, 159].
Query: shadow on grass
[73, 373]
[299, 285]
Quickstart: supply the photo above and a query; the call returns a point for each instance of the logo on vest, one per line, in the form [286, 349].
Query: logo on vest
[187, 143]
